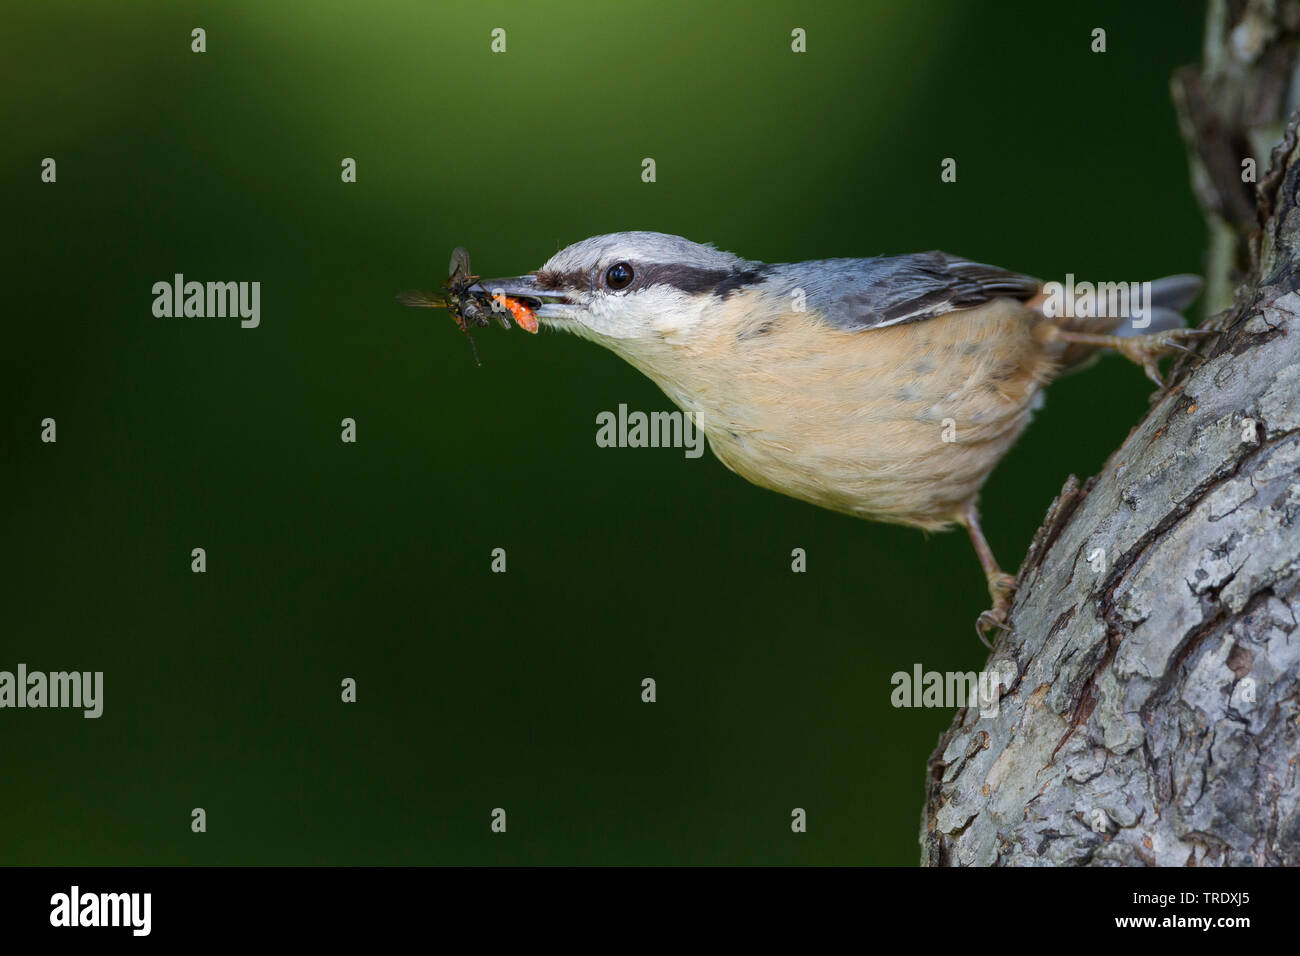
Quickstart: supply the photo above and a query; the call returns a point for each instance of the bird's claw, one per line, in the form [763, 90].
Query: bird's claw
[989, 621]
[1147, 350]
[1002, 589]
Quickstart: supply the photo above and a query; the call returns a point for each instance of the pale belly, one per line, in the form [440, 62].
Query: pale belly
[901, 424]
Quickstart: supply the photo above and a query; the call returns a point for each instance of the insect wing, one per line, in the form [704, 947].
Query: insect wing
[458, 267]
[422, 300]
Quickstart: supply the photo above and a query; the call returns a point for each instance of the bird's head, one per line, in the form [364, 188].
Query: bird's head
[625, 288]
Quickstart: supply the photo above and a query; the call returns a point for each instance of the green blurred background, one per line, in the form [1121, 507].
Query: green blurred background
[329, 560]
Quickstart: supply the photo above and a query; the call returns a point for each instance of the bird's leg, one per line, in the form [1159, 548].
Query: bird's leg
[1145, 350]
[1002, 586]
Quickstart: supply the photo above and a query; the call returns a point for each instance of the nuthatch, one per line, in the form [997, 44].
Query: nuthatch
[885, 388]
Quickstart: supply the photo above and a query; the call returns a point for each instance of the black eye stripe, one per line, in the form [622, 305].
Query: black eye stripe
[560, 281]
[720, 282]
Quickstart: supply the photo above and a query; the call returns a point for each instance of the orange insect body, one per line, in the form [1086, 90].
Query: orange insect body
[525, 317]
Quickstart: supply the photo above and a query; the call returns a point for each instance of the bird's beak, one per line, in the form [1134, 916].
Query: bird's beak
[547, 303]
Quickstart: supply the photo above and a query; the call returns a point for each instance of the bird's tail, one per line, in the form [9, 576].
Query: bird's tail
[1165, 302]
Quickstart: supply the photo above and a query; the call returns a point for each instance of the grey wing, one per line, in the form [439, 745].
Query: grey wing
[894, 290]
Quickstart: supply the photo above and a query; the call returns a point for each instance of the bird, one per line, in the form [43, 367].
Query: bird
[887, 388]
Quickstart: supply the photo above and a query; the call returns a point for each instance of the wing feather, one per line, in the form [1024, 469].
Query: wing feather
[894, 290]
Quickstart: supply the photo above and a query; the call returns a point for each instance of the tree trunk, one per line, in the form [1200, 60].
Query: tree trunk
[1153, 708]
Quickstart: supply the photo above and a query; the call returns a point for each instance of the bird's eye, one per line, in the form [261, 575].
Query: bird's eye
[619, 276]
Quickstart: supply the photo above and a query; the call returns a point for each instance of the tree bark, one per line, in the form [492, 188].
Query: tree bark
[1153, 708]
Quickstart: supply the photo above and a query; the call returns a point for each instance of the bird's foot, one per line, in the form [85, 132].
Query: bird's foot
[1002, 589]
[1147, 350]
